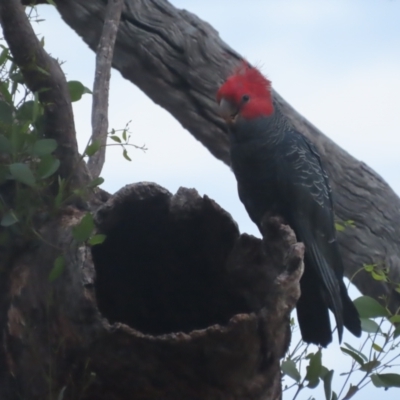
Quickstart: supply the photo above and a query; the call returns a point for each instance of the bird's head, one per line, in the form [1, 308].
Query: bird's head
[246, 93]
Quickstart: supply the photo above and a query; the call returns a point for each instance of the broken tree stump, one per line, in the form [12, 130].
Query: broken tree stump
[174, 304]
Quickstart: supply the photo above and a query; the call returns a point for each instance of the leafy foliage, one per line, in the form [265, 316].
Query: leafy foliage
[378, 352]
[29, 162]
[27, 158]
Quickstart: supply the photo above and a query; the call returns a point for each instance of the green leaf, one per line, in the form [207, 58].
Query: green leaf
[369, 366]
[4, 91]
[395, 319]
[314, 369]
[324, 371]
[369, 326]
[14, 87]
[42, 70]
[17, 77]
[48, 165]
[377, 347]
[351, 392]
[396, 332]
[370, 267]
[84, 229]
[352, 354]
[289, 368]
[378, 275]
[4, 56]
[125, 154]
[18, 137]
[77, 90]
[377, 381]
[9, 219]
[93, 148]
[22, 173]
[328, 384]
[96, 239]
[79, 192]
[124, 135]
[356, 351]
[96, 182]
[313, 384]
[115, 138]
[386, 380]
[339, 227]
[334, 396]
[58, 268]
[368, 307]
[25, 111]
[43, 147]
[5, 145]
[6, 113]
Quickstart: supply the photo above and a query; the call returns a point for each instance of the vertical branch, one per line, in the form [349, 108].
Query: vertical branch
[101, 84]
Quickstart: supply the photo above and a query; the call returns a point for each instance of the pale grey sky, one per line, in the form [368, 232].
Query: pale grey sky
[336, 61]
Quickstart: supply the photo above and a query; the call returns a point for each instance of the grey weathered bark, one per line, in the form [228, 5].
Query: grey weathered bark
[101, 86]
[179, 61]
[208, 308]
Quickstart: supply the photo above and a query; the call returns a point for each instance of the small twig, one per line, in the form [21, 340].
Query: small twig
[298, 345]
[101, 84]
[143, 147]
[289, 387]
[299, 389]
[390, 361]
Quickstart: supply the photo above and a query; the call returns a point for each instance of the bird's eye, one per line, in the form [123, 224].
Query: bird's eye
[245, 98]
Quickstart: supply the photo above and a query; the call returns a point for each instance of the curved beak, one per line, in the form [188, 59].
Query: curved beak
[227, 110]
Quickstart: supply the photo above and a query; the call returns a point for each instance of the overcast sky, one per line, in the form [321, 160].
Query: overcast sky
[336, 61]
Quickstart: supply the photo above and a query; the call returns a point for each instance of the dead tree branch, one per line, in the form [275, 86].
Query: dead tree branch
[101, 84]
[179, 61]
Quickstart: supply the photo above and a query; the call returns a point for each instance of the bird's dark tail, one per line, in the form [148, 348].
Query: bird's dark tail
[351, 318]
[319, 276]
[312, 311]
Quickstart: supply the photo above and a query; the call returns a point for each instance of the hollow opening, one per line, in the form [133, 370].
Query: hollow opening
[162, 267]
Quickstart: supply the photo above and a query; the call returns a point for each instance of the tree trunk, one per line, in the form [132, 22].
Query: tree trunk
[179, 61]
[208, 309]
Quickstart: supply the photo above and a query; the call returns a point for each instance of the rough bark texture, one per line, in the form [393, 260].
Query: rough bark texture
[179, 61]
[208, 309]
